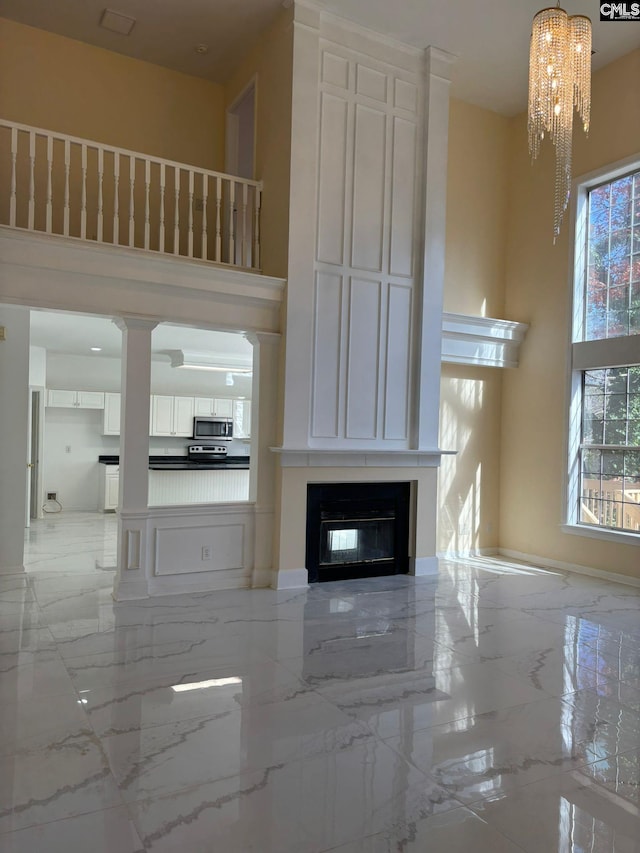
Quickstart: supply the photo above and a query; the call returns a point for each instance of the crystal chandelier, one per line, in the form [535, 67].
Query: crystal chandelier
[559, 80]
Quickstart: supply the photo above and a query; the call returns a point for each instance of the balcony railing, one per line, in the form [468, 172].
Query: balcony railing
[59, 184]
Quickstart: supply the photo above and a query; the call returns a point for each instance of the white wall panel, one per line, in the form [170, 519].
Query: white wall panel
[335, 70]
[171, 488]
[397, 368]
[368, 188]
[326, 365]
[405, 96]
[371, 83]
[402, 197]
[363, 372]
[332, 176]
[179, 549]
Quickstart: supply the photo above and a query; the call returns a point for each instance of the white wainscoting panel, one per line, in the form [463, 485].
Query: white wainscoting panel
[363, 371]
[331, 192]
[170, 488]
[328, 331]
[402, 197]
[368, 188]
[398, 372]
[179, 549]
[405, 96]
[335, 70]
[371, 83]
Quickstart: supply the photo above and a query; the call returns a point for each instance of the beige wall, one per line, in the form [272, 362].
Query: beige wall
[470, 403]
[270, 62]
[64, 85]
[538, 293]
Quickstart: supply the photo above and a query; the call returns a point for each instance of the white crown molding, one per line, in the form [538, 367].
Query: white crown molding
[483, 341]
[352, 458]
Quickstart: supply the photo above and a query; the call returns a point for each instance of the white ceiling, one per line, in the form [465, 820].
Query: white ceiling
[75, 334]
[490, 37]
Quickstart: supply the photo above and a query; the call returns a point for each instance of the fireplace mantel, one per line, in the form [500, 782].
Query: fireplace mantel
[352, 458]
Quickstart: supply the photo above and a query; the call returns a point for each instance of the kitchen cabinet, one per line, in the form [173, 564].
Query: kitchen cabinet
[223, 408]
[208, 407]
[242, 418]
[109, 488]
[203, 406]
[63, 399]
[172, 416]
[111, 416]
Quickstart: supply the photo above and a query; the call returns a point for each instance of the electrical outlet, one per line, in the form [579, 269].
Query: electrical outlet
[206, 552]
[52, 496]
[67, 448]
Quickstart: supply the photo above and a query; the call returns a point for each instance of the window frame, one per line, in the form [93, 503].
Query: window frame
[589, 355]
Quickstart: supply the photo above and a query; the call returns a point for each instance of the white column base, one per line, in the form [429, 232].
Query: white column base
[124, 590]
[290, 579]
[421, 566]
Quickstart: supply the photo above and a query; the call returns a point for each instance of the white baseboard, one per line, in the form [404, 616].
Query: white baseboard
[613, 577]
[127, 590]
[290, 579]
[470, 552]
[11, 570]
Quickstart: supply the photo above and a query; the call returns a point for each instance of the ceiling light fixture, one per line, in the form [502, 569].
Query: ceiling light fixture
[96, 349]
[229, 379]
[559, 80]
[116, 22]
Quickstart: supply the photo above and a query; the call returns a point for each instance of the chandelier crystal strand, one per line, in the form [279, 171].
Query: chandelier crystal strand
[559, 79]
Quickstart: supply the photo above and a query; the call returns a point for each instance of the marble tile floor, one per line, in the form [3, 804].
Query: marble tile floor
[492, 709]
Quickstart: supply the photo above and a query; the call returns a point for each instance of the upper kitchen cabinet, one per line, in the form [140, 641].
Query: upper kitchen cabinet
[111, 422]
[242, 418]
[172, 416]
[208, 407]
[75, 399]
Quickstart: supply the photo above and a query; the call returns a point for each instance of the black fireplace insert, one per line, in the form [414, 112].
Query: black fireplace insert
[357, 530]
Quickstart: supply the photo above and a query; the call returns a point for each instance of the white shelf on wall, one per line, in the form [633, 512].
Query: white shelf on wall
[481, 341]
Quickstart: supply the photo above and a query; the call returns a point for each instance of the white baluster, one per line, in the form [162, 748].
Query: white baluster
[176, 211]
[116, 198]
[147, 214]
[162, 180]
[132, 187]
[256, 230]
[245, 235]
[14, 157]
[67, 173]
[190, 216]
[32, 180]
[100, 222]
[205, 193]
[218, 219]
[49, 219]
[83, 206]
[232, 236]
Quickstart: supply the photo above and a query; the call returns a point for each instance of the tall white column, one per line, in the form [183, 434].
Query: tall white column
[131, 577]
[14, 438]
[264, 435]
[438, 65]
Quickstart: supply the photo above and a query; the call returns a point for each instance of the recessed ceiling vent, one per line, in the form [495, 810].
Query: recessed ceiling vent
[116, 22]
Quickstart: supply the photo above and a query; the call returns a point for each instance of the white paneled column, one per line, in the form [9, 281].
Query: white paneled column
[131, 578]
[438, 65]
[14, 418]
[264, 419]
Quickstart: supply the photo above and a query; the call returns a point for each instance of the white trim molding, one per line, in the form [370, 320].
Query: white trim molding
[593, 532]
[315, 458]
[424, 566]
[290, 579]
[533, 559]
[482, 341]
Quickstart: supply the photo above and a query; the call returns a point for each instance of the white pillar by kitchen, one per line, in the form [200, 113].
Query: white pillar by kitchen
[131, 581]
[14, 408]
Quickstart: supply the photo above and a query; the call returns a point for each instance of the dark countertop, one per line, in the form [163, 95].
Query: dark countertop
[182, 463]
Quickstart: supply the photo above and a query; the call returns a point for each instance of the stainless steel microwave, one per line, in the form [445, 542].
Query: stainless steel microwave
[214, 429]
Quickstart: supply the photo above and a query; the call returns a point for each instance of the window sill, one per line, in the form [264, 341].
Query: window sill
[599, 533]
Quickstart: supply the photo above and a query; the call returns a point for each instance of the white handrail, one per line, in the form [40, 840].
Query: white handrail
[66, 185]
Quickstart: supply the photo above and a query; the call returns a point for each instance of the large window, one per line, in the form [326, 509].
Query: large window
[604, 444]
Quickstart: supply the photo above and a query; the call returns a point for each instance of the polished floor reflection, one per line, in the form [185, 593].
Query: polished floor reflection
[493, 709]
